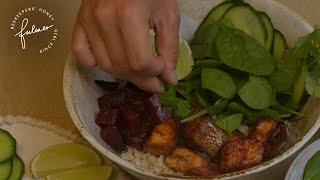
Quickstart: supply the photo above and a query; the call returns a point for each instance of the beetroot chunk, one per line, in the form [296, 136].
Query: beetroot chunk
[134, 128]
[107, 116]
[156, 110]
[113, 99]
[111, 135]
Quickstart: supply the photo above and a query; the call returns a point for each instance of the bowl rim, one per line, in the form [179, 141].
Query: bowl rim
[70, 69]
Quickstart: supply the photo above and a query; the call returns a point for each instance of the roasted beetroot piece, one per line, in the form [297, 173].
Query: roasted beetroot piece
[188, 162]
[240, 154]
[275, 141]
[205, 136]
[162, 138]
[156, 110]
[107, 116]
[134, 128]
[130, 119]
[113, 99]
[111, 135]
[108, 86]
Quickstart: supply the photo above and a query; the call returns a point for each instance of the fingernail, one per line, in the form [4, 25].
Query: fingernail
[174, 76]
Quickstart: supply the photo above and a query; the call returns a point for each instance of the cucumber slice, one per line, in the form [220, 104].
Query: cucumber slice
[215, 14]
[279, 45]
[7, 141]
[245, 18]
[17, 168]
[269, 28]
[5, 169]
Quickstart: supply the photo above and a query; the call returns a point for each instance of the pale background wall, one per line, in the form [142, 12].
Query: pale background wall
[31, 84]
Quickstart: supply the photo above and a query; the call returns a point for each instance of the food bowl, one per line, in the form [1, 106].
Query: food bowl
[81, 93]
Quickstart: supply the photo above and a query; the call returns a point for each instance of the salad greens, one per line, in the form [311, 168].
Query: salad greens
[312, 169]
[238, 79]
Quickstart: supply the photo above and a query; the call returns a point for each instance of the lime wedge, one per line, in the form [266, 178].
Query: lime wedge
[185, 60]
[63, 157]
[91, 173]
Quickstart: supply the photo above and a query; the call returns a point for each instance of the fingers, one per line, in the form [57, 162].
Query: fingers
[150, 84]
[167, 44]
[81, 47]
[139, 47]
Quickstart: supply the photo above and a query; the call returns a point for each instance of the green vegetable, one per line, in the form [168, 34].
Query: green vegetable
[207, 63]
[230, 123]
[181, 107]
[312, 82]
[312, 169]
[257, 93]
[203, 97]
[299, 87]
[242, 52]
[281, 80]
[306, 46]
[219, 82]
[217, 108]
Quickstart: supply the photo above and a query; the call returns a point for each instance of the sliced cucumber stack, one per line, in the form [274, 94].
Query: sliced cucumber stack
[279, 46]
[17, 168]
[216, 14]
[7, 146]
[269, 30]
[245, 18]
[5, 169]
[11, 166]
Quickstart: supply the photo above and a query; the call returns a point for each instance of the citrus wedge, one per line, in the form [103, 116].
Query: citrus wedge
[185, 60]
[90, 173]
[63, 157]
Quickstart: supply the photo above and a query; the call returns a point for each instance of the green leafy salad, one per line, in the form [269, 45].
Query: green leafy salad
[244, 70]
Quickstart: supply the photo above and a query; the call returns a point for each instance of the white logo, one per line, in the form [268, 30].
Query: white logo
[27, 29]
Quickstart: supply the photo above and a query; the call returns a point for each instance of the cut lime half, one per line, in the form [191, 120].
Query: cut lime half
[90, 173]
[63, 157]
[185, 60]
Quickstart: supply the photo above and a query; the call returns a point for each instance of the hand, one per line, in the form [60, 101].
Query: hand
[114, 34]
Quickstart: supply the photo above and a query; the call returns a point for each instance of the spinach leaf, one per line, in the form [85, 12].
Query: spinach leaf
[257, 93]
[204, 43]
[219, 82]
[240, 51]
[218, 107]
[230, 123]
[182, 108]
[203, 96]
[281, 80]
[312, 169]
[265, 113]
[169, 97]
[207, 63]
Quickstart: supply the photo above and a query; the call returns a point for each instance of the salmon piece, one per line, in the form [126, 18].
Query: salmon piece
[188, 162]
[263, 130]
[236, 135]
[241, 154]
[162, 139]
[271, 133]
[204, 135]
[275, 141]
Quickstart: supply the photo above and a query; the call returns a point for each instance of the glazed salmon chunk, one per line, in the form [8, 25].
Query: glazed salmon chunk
[204, 135]
[188, 162]
[241, 154]
[162, 139]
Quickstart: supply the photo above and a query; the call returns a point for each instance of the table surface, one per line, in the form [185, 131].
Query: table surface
[31, 83]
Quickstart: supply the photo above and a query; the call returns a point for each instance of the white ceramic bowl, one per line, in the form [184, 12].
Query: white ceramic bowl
[297, 168]
[81, 93]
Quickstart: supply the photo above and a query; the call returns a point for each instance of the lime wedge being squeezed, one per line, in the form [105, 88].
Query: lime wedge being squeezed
[185, 60]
